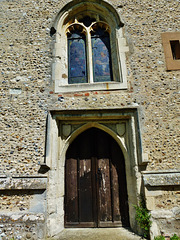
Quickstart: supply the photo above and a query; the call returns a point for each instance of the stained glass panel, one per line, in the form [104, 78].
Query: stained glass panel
[77, 59]
[101, 56]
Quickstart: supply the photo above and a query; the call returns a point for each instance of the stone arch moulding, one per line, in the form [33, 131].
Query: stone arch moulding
[105, 13]
[63, 128]
[88, 125]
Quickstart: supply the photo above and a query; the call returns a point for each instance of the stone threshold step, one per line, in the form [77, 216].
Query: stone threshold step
[96, 234]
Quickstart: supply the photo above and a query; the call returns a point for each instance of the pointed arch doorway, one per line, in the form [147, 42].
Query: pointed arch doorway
[95, 182]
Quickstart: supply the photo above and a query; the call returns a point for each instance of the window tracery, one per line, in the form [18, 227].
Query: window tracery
[89, 49]
[89, 41]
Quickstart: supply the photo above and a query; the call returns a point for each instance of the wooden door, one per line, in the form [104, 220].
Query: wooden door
[95, 182]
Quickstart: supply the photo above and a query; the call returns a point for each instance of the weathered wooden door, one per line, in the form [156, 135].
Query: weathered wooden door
[95, 182]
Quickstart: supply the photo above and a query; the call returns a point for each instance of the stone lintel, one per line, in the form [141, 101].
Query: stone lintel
[98, 110]
[155, 179]
[23, 183]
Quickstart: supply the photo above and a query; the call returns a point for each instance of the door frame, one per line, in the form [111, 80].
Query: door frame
[63, 127]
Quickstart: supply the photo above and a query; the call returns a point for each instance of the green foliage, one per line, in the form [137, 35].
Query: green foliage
[159, 238]
[175, 237]
[143, 217]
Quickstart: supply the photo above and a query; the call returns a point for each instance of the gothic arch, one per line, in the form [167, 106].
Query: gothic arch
[96, 125]
[80, 6]
[131, 187]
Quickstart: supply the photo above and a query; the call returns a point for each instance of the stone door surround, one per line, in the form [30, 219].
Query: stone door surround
[63, 127]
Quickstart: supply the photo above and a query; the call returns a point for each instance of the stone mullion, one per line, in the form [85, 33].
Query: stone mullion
[89, 57]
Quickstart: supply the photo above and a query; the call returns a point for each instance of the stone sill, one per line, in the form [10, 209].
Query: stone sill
[161, 178]
[23, 183]
[90, 87]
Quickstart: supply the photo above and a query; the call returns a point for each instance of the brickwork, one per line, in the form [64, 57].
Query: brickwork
[27, 90]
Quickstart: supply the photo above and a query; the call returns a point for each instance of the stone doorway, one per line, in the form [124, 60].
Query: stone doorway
[95, 182]
[65, 128]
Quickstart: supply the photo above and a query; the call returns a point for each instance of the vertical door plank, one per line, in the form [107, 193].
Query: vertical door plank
[71, 204]
[118, 162]
[85, 191]
[115, 193]
[105, 210]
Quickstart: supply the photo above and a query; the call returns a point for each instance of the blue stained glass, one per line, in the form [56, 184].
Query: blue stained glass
[101, 57]
[77, 59]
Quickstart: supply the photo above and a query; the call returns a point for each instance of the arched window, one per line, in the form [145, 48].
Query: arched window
[89, 52]
[101, 51]
[89, 41]
[77, 72]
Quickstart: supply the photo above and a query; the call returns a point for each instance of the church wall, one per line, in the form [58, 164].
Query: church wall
[27, 94]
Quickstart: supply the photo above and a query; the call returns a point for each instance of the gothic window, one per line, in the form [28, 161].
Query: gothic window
[89, 41]
[89, 49]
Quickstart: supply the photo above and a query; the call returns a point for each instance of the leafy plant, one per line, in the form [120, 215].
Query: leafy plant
[143, 217]
[175, 237]
[159, 238]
